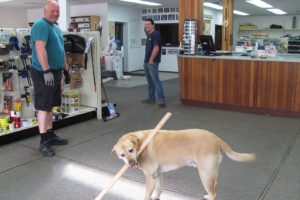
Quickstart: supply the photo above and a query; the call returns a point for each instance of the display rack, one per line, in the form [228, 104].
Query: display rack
[90, 94]
[84, 23]
[268, 29]
[294, 45]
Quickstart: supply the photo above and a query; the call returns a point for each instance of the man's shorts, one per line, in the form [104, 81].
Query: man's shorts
[46, 97]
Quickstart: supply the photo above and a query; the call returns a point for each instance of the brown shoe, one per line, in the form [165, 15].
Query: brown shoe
[162, 104]
[148, 101]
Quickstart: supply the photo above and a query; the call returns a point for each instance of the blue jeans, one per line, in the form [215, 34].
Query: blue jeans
[154, 84]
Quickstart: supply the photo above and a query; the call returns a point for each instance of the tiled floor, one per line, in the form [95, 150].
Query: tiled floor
[81, 169]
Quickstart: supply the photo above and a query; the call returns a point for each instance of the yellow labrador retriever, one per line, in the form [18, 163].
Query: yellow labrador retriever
[172, 149]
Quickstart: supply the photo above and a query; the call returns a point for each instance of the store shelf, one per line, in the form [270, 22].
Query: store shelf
[84, 113]
[90, 100]
[82, 110]
[259, 30]
[84, 23]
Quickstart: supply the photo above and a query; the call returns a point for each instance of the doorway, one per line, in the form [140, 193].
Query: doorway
[121, 35]
[119, 31]
[218, 37]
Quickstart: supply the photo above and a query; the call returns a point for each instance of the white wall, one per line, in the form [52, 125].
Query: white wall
[217, 17]
[79, 10]
[13, 18]
[131, 19]
[284, 20]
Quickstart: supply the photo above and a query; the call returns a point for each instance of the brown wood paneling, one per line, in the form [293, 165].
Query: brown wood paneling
[264, 86]
[190, 9]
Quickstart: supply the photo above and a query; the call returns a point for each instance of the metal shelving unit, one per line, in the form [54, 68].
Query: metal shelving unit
[90, 100]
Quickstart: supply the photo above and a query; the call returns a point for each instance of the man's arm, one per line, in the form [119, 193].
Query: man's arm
[40, 47]
[154, 53]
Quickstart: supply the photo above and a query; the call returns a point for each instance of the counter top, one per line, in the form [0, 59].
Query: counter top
[238, 56]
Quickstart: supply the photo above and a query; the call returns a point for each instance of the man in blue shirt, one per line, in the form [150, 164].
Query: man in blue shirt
[151, 63]
[48, 60]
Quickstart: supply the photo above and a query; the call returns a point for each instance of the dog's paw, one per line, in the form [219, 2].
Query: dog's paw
[206, 197]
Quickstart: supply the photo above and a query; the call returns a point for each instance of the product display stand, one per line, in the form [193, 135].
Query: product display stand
[18, 86]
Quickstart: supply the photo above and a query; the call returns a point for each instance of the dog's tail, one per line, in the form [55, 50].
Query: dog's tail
[239, 157]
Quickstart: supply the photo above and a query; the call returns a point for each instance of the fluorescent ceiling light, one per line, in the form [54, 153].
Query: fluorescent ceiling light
[148, 3]
[212, 5]
[260, 3]
[240, 13]
[5, 0]
[277, 11]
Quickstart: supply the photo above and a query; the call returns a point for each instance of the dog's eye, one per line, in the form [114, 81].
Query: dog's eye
[122, 155]
[130, 150]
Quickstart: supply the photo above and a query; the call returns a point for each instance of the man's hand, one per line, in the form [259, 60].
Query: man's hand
[49, 78]
[67, 78]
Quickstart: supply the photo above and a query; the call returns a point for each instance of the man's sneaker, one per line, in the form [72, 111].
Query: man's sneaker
[53, 139]
[46, 149]
[148, 101]
[161, 103]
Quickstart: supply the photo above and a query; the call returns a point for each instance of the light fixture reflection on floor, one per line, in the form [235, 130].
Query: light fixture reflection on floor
[124, 189]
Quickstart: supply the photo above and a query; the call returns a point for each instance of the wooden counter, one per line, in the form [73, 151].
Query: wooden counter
[252, 85]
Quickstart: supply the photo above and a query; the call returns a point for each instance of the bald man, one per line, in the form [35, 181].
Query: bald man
[48, 60]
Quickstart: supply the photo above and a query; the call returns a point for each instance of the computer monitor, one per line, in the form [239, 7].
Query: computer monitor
[207, 43]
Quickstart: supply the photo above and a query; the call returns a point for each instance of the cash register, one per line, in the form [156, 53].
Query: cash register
[208, 46]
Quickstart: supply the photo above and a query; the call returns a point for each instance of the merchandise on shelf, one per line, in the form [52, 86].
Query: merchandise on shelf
[294, 45]
[4, 123]
[244, 27]
[8, 81]
[70, 102]
[4, 49]
[84, 23]
[16, 90]
[190, 36]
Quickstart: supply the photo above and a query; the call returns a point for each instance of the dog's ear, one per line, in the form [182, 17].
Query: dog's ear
[113, 149]
[135, 140]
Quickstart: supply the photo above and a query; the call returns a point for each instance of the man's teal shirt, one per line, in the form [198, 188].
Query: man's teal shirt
[53, 37]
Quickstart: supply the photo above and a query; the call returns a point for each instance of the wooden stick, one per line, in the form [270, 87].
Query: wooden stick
[143, 146]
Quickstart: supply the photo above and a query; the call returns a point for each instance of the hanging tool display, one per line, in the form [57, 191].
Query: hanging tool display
[24, 73]
[7, 104]
[26, 95]
[3, 65]
[26, 45]
[14, 43]
[89, 45]
[26, 60]
[8, 81]
[12, 64]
